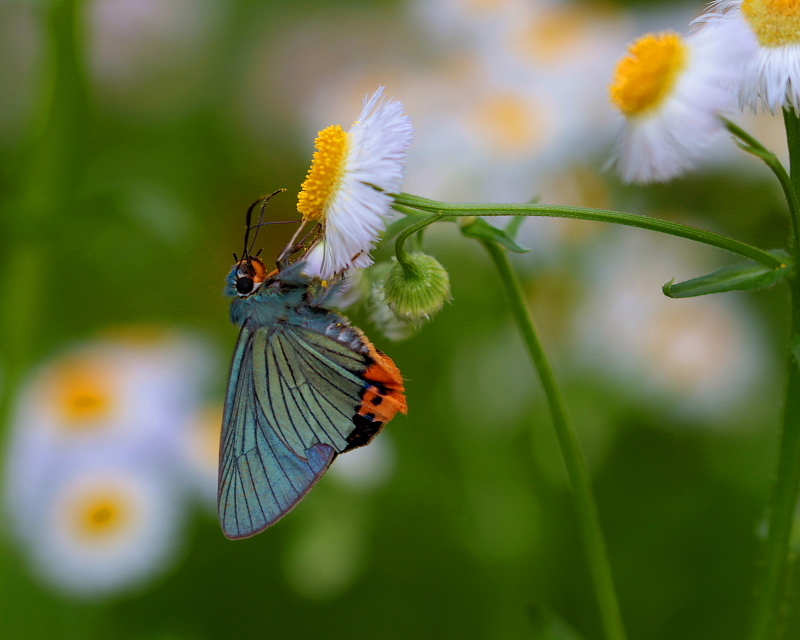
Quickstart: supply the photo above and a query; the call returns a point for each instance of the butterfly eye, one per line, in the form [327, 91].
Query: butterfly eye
[244, 285]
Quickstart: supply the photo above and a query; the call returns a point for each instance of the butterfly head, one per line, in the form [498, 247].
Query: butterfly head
[246, 277]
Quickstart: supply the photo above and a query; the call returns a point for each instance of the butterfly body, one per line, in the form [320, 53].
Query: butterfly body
[305, 386]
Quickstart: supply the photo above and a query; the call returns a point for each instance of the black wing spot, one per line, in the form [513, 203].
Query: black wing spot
[366, 429]
[376, 400]
[379, 387]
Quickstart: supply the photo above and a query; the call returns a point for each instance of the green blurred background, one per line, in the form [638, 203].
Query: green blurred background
[133, 135]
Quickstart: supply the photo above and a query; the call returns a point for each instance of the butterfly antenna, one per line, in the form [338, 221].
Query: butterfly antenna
[258, 226]
[248, 217]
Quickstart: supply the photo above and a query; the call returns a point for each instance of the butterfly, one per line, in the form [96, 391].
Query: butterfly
[305, 385]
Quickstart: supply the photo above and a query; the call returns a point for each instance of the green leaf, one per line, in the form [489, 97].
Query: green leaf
[512, 228]
[479, 229]
[746, 276]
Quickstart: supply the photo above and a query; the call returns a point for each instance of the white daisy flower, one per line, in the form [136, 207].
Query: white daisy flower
[136, 393]
[671, 90]
[106, 526]
[700, 359]
[350, 185]
[201, 451]
[770, 30]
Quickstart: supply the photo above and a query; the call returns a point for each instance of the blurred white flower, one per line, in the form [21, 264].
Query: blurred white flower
[201, 451]
[366, 468]
[134, 394]
[133, 390]
[671, 91]
[768, 34]
[146, 52]
[696, 358]
[504, 94]
[105, 526]
[327, 552]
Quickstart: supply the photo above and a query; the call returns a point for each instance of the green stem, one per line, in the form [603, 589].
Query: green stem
[772, 586]
[588, 518]
[400, 243]
[445, 209]
[751, 145]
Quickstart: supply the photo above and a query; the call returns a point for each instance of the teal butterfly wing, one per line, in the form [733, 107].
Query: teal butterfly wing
[292, 398]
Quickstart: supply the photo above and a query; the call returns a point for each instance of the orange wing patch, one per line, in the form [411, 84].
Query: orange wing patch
[387, 395]
[382, 399]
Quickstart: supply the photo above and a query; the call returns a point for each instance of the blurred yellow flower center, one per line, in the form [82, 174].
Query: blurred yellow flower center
[82, 395]
[485, 5]
[507, 122]
[646, 76]
[326, 171]
[776, 23]
[556, 34]
[101, 516]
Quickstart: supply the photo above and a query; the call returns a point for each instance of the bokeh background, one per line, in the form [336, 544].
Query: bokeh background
[133, 136]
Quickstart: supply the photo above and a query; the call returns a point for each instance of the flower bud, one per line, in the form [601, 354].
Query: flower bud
[419, 293]
[379, 312]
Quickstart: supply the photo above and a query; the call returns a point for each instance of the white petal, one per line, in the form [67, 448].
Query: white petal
[357, 214]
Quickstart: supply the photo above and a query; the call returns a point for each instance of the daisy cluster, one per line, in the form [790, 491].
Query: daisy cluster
[700, 362]
[671, 90]
[503, 92]
[107, 442]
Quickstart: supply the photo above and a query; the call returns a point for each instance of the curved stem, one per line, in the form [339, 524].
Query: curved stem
[580, 480]
[776, 556]
[601, 215]
[400, 243]
[751, 145]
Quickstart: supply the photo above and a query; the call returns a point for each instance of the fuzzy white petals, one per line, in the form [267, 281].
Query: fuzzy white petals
[75, 559]
[373, 171]
[770, 75]
[99, 431]
[663, 143]
[772, 80]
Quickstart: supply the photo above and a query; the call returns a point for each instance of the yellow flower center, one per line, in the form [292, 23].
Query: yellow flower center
[82, 394]
[508, 123]
[325, 173]
[776, 23]
[554, 35]
[205, 438]
[101, 515]
[646, 76]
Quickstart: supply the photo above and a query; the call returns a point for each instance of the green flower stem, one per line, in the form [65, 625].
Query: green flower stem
[751, 145]
[601, 215]
[588, 518]
[400, 243]
[773, 581]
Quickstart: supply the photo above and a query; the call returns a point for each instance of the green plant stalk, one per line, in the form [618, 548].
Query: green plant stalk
[751, 145]
[772, 586]
[400, 243]
[445, 210]
[580, 480]
[48, 167]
